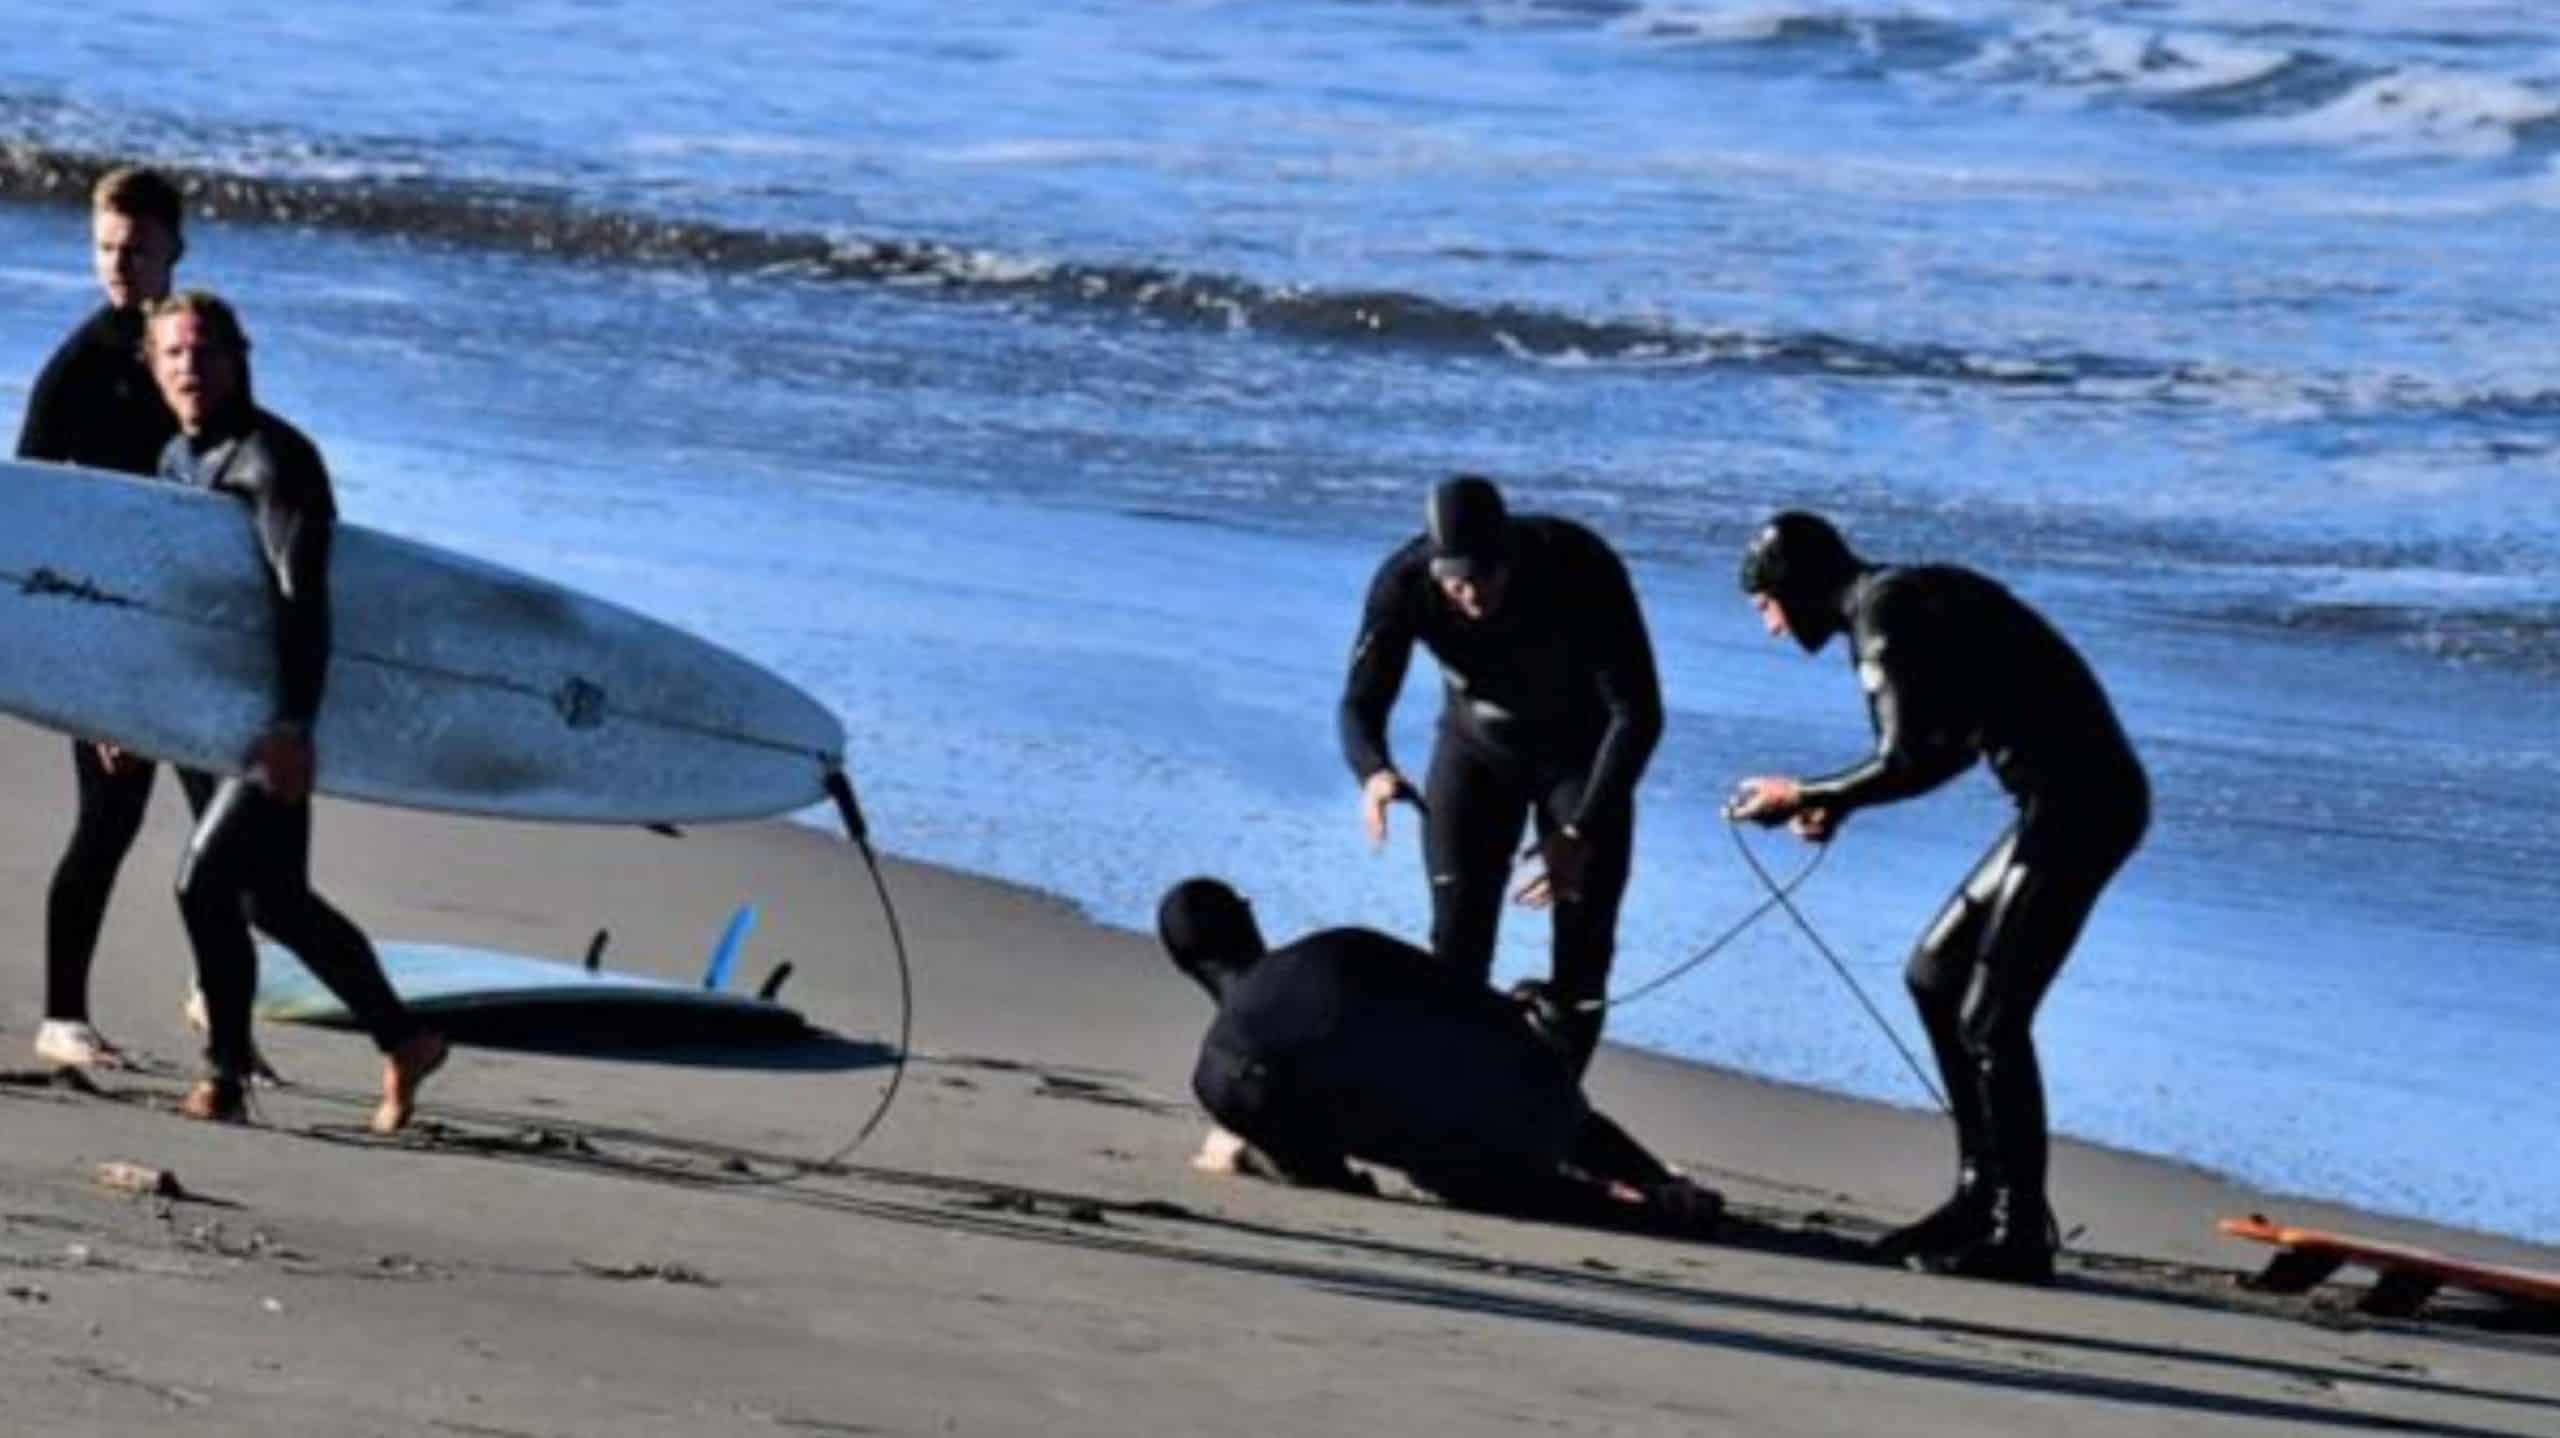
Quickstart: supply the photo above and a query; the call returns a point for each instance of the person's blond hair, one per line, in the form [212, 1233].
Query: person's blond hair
[218, 317]
[141, 194]
[213, 309]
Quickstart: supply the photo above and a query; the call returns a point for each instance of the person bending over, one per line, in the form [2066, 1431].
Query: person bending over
[1956, 668]
[1551, 709]
[1348, 1044]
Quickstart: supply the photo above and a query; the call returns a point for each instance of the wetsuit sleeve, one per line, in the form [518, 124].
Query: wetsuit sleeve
[1918, 746]
[1249, 1093]
[1379, 658]
[45, 433]
[297, 523]
[1630, 690]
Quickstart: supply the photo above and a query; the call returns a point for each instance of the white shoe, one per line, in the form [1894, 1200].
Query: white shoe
[73, 1044]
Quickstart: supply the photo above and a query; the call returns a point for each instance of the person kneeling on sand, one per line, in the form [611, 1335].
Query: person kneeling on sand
[1348, 1044]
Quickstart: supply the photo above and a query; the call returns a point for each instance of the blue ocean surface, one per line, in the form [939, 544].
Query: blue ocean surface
[1039, 385]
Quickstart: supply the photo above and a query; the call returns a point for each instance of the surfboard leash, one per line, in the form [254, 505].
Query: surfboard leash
[1784, 899]
[1715, 945]
[849, 810]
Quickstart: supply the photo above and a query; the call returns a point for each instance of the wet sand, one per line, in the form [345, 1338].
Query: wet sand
[582, 1245]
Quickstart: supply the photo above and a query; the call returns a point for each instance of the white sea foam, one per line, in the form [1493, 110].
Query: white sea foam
[2417, 112]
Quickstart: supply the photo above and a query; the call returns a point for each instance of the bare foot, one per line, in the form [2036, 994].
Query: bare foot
[218, 1099]
[403, 1069]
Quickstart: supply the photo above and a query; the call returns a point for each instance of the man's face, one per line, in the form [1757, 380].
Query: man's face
[197, 372]
[133, 257]
[1773, 615]
[1476, 596]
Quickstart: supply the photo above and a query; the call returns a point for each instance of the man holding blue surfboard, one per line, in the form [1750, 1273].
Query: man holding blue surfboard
[249, 860]
[95, 404]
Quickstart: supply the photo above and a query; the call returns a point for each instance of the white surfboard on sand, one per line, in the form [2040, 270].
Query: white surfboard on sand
[137, 612]
[469, 992]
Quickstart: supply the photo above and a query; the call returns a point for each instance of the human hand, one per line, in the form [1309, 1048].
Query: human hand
[1767, 800]
[1377, 792]
[115, 759]
[281, 763]
[1567, 856]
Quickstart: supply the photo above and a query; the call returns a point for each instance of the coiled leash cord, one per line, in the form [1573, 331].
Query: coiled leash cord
[1715, 945]
[1784, 899]
[1780, 896]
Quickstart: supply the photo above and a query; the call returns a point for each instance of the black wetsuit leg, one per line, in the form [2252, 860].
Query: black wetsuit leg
[111, 810]
[1610, 1154]
[1586, 929]
[1985, 969]
[1940, 976]
[1478, 809]
[257, 871]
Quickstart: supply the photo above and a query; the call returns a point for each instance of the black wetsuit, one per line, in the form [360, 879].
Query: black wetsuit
[1552, 708]
[1350, 1044]
[94, 404]
[1955, 668]
[256, 869]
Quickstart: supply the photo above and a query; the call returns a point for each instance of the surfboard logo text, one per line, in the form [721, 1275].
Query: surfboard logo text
[580, 702]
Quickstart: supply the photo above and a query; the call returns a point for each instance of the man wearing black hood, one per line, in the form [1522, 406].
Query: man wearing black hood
[1551, 710]
[95, 404]
[1956, 668]
[1350, 1045]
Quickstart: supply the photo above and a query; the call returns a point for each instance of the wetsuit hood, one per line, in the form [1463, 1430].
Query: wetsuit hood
[1800, 560]
[1469, 528]
[1209, 932]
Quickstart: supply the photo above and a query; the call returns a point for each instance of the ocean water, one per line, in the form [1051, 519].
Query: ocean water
[1039, 384]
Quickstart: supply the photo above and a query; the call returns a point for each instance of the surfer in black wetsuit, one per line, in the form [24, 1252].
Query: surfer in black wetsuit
[95, 404]
[1956, 668]
[1551, 710]
[249, 861]
[1348, 1044]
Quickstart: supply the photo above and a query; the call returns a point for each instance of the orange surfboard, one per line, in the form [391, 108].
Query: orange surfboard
[2405, 1276]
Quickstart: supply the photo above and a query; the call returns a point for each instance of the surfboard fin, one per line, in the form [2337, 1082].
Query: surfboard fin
[773, 981]
[724, 954]
[595, 949]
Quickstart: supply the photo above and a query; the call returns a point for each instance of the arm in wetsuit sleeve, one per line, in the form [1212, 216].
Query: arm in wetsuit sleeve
[1630, 690]
[297, 522]
[1379, 658]
[45, 433]
[1917, 749]
[1304, 1165]
[1248, 1099]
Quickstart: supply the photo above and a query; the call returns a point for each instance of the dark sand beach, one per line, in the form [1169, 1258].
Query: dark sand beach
[576, 1245]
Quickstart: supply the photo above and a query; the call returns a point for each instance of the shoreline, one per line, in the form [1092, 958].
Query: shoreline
[606, 1244]
[2330, 1211]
